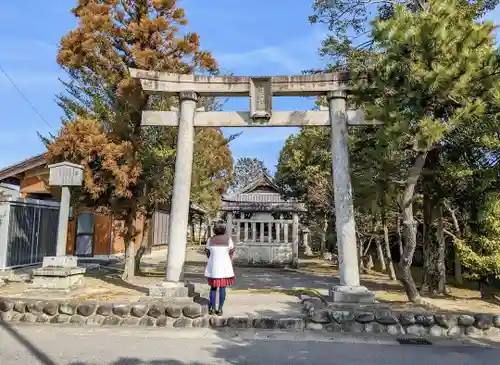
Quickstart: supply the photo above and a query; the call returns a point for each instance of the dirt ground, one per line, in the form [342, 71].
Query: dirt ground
[461, 299]
[314, 275]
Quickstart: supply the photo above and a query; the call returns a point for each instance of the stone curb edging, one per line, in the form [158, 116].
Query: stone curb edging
[318, 317]
[152, 313]
[334, 318]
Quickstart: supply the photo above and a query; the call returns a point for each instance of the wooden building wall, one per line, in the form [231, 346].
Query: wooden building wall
[107, 238]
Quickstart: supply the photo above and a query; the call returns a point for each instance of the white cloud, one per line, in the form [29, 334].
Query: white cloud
[22, 135]
[274, 55]
[261, 136]
[269, 137]
[292, 56]
[30, 78]
[26, 50]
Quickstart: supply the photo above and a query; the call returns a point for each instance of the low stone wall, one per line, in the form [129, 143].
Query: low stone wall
[263, 254]
[319, 316]
[336, 318]
[149, 313]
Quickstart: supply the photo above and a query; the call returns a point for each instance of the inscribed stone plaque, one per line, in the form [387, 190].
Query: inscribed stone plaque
[261, 98]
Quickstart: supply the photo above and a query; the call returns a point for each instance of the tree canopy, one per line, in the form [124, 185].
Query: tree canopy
[129, 168]
[428, 174]
[246, 170]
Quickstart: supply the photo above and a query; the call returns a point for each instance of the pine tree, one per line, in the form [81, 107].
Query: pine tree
[111, 37]
[480, 251]
[246, 170]
[436, 71]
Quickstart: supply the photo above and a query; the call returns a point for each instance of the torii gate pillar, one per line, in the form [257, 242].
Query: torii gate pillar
[181, 192]
[261, 90]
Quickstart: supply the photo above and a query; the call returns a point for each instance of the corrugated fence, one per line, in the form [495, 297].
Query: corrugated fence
[28, 231]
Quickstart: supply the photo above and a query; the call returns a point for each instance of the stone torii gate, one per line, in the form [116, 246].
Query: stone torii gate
[261, 90]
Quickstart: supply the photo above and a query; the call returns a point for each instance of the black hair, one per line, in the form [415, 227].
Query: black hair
[219, 228]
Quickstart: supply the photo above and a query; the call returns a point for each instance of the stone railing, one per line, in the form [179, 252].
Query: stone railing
[318, 317]
[377, 319]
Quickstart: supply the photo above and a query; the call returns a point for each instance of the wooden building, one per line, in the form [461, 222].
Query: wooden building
[264, 225]
[90, 234]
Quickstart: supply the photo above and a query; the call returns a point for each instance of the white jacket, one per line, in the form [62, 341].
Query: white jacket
[219, 264]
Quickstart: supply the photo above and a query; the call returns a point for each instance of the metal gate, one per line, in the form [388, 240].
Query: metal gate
[31, 227]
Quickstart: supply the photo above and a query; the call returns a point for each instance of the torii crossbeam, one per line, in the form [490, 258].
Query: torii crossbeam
[261, 91]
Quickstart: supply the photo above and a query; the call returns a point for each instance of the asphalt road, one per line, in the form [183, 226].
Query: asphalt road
[29, 345]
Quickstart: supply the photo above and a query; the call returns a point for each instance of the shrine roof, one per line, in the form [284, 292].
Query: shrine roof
[262, 194]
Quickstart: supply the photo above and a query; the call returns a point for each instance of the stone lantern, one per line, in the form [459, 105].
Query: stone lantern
[60, 273]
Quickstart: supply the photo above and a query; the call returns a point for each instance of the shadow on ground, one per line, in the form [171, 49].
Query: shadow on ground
[230, 349]
[114, 278]
[313, 274]
[269, 278]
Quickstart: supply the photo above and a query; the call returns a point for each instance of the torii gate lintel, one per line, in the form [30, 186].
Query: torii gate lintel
[261, 90]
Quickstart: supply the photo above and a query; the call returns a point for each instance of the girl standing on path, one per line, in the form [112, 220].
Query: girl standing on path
[219, 271]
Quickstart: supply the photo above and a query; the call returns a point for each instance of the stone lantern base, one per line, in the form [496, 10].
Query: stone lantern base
[58, 275]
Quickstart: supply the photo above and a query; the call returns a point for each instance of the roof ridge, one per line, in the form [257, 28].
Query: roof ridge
[23, 165]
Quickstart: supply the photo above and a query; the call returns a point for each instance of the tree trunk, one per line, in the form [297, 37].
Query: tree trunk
[440, 280]
[200, 226]
[400, 237]
[428, 237]
[323, 236]
[456, 257]
[457, 267]
[129, 238]
[409, 228]
[380, 255]
[434, 277]
[435, 268]
[390, 263]
[487, 290]
[192, 231]
[361, 255]
[145, 245]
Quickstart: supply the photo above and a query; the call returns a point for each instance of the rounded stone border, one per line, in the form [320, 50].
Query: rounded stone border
[319, 316]
[153, 313]
[331, 318]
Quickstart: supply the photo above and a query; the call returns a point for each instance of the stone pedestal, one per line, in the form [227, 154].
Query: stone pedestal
[60, 261]
[55, 279]
[169, 290]
[351, 294]
[58, 275]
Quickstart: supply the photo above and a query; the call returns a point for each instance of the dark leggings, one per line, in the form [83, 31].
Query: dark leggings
[213, 295]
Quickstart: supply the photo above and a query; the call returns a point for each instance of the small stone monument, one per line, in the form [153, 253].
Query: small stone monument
[305, 241]
[60, 273]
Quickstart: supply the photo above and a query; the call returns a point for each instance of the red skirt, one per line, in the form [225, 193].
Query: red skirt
[221, 282]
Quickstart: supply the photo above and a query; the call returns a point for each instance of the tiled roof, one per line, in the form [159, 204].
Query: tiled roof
[249, 199]
[263, 207]
[255, 198]
[23, 166]
[263, 180]
[260, 202]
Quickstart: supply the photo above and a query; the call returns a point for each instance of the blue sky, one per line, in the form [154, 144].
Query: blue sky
[257, 37]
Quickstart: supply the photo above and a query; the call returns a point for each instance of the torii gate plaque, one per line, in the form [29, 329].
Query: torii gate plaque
[261, 90]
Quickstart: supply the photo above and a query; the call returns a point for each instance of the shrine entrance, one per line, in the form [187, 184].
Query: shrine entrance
[261, 91]
[264, 225]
